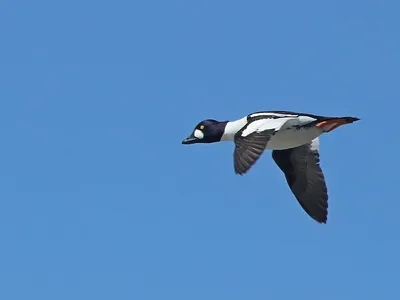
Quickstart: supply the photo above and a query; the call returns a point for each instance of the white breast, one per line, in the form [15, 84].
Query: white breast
[232, 128]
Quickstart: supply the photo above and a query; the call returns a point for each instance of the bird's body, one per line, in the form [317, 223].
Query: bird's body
[290, 131]
[293, 137]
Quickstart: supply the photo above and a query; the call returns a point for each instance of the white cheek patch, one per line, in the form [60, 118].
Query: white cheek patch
[198, 133]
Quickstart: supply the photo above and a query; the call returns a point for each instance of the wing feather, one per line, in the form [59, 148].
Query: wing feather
[305, 178]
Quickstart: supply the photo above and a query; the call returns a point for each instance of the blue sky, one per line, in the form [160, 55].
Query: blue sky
[99, 199]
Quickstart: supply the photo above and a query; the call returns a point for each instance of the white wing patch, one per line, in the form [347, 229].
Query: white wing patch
[315, 144]
[265, 124]
[306, 119]
[272, 114]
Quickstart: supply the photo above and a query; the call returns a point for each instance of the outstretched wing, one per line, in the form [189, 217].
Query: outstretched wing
[305, 178]
[252, 139]
[248, 149]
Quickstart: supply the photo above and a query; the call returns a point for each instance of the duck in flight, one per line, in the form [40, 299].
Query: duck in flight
[293, 139]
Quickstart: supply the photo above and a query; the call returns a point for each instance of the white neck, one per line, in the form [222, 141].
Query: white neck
[232, 128]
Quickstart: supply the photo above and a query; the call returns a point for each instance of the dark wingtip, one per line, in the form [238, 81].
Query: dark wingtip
[353, 119]
[320, 218]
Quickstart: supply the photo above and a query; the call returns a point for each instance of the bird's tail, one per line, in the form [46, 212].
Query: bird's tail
[333, 123]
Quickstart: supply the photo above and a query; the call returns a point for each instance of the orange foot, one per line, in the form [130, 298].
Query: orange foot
[332, 124]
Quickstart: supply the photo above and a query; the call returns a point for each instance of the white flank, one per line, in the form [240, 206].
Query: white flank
[290, 138]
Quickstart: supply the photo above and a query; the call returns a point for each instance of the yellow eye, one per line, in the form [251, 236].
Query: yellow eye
[201, 126]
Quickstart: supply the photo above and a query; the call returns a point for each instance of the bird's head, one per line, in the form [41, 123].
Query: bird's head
[207, 131]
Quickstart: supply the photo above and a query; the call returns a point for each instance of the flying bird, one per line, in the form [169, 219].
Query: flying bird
[293, 139]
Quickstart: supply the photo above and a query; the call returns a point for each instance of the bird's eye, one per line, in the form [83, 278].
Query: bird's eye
[201, 126]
